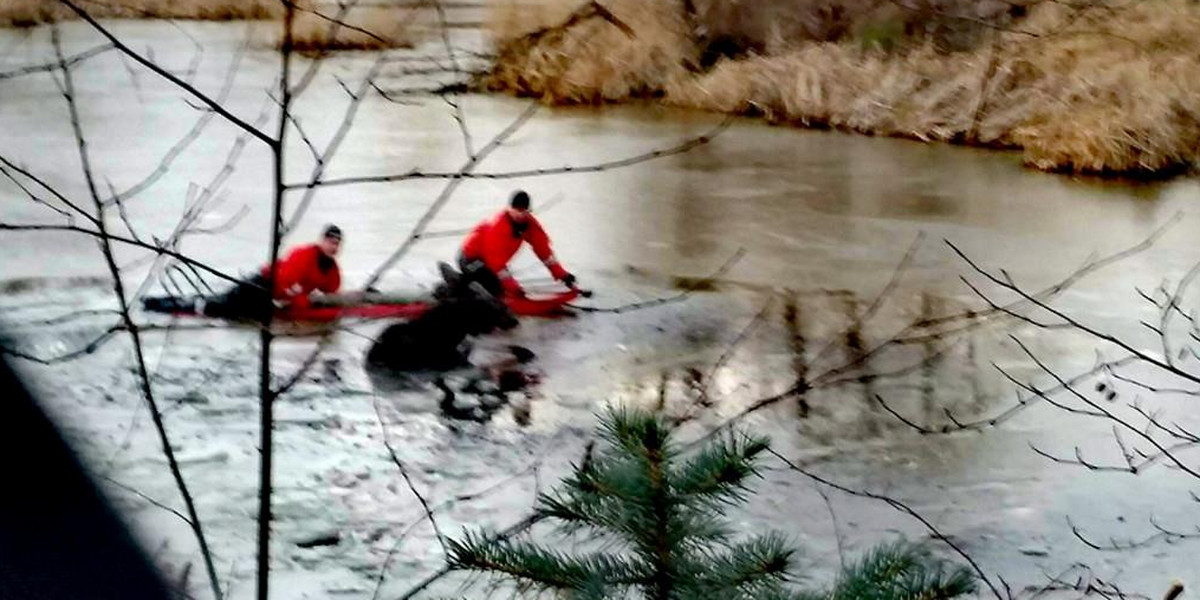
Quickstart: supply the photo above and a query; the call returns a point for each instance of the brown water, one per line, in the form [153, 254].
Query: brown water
[823, 220]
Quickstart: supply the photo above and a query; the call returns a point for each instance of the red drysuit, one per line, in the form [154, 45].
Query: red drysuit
[300, 272]
[494, 242]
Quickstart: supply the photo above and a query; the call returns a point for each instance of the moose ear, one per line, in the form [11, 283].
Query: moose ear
[480, 291]
[449, 275]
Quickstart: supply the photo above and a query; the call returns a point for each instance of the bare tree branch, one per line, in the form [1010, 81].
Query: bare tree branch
[456, 105]
[107, 236]
[1088, 268]
[1072, 321]
[1086, 584]
[71, 316]
[387, 442]
[1171, 307]
[185, 86]
[34, 197]
[900, 506]
[54, 66]
[335, 25]
[164, 165]
[131, 327]
[70, 355]
[1107, 414]
[728, 353]
[681, 296]
[540, 172]
[356, 99]
[291, 382]
[152, 501]
[448, 191]
[1163, 534]
[45, 186]
[1152, 388]
[459, 499]
[337, 21]
[266, 397]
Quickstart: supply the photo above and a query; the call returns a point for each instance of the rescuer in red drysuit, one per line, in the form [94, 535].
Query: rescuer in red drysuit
[488, 248]
[307, 268]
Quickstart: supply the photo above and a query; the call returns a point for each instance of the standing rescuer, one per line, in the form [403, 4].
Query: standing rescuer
[488, 248]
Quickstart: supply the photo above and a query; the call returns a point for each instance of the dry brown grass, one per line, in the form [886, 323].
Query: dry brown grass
[366, 28]
[1113, 90]
[595, 61]
[27, 13]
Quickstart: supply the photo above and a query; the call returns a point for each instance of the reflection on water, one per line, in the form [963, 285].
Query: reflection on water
[825, 357]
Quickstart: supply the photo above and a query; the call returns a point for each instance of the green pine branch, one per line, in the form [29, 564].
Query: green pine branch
[755, 566]
[666, 515]
[542, 568]
[718, 473]
[902, 571]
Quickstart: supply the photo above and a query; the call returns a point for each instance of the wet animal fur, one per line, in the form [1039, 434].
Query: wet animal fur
[437, 339]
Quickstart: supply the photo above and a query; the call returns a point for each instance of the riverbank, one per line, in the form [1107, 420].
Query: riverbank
[1096, 88]
[361, 27]
[28, 13]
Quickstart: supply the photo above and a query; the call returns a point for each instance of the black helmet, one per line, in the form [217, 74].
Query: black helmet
[520, 200]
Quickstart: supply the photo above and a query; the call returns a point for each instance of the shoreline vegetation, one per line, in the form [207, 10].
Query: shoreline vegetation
[1099, 87]
[369, 27]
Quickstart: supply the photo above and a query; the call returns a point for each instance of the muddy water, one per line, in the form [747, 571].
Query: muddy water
[822, 221]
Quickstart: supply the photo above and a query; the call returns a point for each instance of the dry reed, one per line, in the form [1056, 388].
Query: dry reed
[1109, 90]
[28, 13]
[368, 27]
[365, 28]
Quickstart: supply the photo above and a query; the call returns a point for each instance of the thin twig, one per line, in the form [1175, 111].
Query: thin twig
[448, 191]
[729, 350]
[684, 295]
[337, 22]
[1071, 320]
[131, 327]
[161, 72]
[1113, 545]
[67, 356]
[34, 197]
[45, 186]
[164, 165]
[106, 236]
[902, 507]
[539, 172]
[291, 382]
[153, 501]
[266, 396]
[387, 442]
[54, 66]
[461, 498]
[347, 121]
[1108, 414]
[459, 116]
